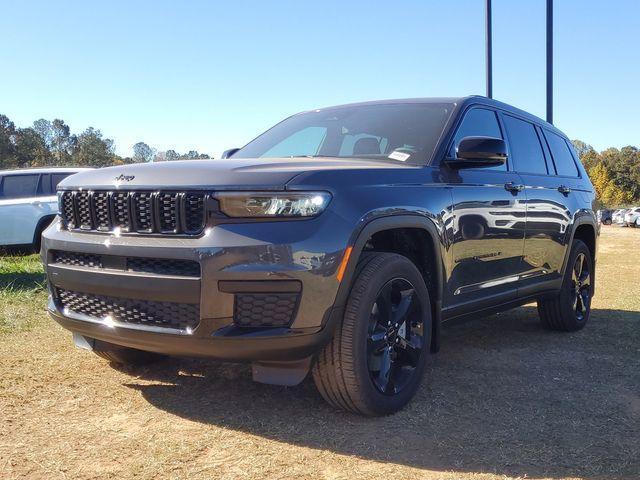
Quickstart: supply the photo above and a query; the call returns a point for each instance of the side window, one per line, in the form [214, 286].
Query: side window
[524, 144]
[565, 165]
[301, 143]
[56, 178]
[478, 122]
[19, 186]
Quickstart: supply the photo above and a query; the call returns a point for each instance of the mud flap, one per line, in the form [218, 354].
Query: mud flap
[281, 373]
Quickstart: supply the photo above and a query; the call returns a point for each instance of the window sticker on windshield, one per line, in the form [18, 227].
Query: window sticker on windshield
[401, 156]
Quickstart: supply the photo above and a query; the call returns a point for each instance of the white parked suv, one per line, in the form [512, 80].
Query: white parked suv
[632, 217]
[28, 203]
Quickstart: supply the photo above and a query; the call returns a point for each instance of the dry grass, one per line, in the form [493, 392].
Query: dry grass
[504, 398]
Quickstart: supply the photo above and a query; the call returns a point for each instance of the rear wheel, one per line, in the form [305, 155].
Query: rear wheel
[570, 309]
[123, 355]
[375, 362]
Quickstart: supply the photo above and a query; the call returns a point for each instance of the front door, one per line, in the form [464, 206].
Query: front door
[489, 226]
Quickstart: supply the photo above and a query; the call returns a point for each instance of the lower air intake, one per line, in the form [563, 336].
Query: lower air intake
[179, 316]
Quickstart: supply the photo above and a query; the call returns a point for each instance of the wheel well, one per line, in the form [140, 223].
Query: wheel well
[587, 234]
[417, 245]
[42, 224]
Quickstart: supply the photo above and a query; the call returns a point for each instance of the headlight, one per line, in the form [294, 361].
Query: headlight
[273, 204]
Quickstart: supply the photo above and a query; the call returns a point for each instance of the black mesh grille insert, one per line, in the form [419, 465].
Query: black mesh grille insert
[125, 310]
[167, 212]
[264, 309]
[158, 266]
[101, 208]
[120, 207]
[83, 207]
[135, 211]
[162, 266]
[68, 210]
[77, 259]
[142, 211]
[194, 212]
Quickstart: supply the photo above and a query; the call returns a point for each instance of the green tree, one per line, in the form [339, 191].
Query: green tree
[142, 152]
[62, 142]
[93, 150]
[30, 149]
[7, 146]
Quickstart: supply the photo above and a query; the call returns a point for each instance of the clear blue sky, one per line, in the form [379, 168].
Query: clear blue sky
[211, 75]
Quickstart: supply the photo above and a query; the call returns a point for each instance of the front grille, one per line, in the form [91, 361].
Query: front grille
[264, 309]
[158, 266]
[180, 316]
[143, 212]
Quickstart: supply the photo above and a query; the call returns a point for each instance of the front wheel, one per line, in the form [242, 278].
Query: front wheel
[570, 309]
[375, 362]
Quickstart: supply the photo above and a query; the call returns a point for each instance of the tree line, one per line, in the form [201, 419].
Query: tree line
[615, 173]
[51, 143]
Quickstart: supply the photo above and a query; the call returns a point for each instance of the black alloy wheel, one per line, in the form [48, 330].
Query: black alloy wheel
[395, 340]
[581, 283]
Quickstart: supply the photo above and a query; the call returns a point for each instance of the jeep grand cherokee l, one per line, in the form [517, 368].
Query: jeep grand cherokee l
[336, 243]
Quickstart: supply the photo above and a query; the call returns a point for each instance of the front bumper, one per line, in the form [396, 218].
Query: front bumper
[232, 258]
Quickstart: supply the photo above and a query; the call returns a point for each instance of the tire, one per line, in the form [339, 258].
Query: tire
[345, 370]
[123, 355]
[37, 237]
[607, 222]
[570, 309]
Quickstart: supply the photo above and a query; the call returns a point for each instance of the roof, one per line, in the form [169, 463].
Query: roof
[45, 170]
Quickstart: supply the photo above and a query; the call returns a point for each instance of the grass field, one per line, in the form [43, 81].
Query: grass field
[503, 398]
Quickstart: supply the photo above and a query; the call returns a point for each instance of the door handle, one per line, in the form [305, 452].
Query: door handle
[563, 189]
[36, 202]
[513, 187]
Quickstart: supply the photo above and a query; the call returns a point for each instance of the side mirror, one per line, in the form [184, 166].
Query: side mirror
[479, 152]
[229, 153]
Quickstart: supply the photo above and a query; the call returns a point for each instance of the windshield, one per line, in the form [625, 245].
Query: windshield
[406, 132]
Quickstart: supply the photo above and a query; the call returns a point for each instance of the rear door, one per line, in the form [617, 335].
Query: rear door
[489, 225]
[20, 208]
[548, 204]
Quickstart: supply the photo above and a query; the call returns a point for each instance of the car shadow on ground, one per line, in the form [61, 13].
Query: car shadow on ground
[503, 396]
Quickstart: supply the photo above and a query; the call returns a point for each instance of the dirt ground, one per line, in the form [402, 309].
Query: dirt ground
[503, 399]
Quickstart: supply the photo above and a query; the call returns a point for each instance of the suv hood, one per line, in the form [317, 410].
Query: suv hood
[242, 173]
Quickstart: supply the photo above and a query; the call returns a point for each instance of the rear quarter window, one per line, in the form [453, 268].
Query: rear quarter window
[562, 157]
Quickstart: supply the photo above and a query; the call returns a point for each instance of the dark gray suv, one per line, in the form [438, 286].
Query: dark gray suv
[337, 243]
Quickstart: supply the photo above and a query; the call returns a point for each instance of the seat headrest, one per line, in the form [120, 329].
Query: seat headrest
[366, 146]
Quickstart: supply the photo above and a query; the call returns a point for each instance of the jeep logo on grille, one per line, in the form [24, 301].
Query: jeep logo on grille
[124, 178]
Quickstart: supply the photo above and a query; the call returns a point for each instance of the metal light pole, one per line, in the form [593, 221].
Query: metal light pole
[550, 61]
[488, 50]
